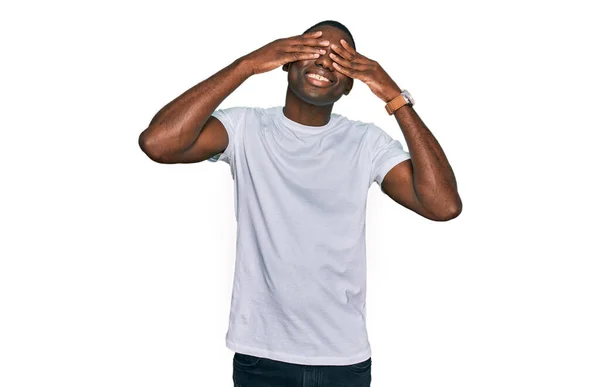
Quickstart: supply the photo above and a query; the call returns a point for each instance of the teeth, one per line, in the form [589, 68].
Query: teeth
[317, 76]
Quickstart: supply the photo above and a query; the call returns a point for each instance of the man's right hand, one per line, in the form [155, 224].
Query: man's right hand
[282, 51]
[184, 132]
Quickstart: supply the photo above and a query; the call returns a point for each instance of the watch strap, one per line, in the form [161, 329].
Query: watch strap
[395, 104]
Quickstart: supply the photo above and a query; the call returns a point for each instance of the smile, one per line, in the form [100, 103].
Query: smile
[317, 80]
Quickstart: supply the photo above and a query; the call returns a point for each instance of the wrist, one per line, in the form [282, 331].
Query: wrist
[401, 100]
[390, 93]
[245, 66]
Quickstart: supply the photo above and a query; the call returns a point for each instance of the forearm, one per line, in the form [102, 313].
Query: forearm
[177, 125]
[433, 178]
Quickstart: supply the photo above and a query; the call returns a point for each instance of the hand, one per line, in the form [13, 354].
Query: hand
[282, 51]
[354, 65]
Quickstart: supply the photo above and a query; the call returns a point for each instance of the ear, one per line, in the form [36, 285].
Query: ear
[286, 67]
[349, 87]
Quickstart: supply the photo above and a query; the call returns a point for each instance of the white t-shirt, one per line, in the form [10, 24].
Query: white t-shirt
[300, 195]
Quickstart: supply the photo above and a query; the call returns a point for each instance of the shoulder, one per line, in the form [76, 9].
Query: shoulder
[271, 112]
[357, 127]
[237, 114]
[371, 133]
[375, 134]
[236, 110]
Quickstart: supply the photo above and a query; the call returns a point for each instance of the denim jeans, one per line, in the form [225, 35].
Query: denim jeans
[252, 371]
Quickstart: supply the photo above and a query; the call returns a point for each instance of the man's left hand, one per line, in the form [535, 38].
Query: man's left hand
[354, 65]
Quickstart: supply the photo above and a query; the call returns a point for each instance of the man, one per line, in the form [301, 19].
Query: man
[301, 176]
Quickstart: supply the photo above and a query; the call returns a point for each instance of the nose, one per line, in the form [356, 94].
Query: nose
[325, 61]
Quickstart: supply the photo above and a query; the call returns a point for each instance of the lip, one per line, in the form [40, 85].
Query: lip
[322, 73]
[317, 82]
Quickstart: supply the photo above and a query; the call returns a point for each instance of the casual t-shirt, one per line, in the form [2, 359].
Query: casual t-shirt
[300, 197]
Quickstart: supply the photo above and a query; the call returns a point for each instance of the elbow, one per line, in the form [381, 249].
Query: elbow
[449, 215]
[444, 208]
[452, 211]
[146, 145]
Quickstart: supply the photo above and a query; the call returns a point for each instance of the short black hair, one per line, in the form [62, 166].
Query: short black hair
[337, 25]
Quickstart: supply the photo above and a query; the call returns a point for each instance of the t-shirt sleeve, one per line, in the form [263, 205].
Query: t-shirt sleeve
[387, 153]
[232, 119]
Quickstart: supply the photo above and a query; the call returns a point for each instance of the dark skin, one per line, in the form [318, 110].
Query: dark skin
[184, 131]
[425, 183]
[306, 103]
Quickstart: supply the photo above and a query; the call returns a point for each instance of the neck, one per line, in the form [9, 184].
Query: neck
[305, 113]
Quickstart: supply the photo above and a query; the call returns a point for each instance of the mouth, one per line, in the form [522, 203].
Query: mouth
[318, 79]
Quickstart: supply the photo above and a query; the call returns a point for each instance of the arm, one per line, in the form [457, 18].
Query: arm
[173, 135]
[184, 130]
[425, 183]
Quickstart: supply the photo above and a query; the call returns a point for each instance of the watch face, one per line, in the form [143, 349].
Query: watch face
[407, 95]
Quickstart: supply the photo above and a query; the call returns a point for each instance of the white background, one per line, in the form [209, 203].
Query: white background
[117, 271]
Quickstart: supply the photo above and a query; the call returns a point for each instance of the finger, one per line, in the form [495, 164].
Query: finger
[313, 34]
[357, 57]
[309, 39]
[314, 42]
[296, 56]
[302, 48]
[347, 63]
[352, 73]
[348, 47]
[342, 52]
[310, 36]
[344, 70]
[341, 61]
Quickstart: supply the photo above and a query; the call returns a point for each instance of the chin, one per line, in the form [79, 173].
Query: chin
[318, 96]
[314, 97]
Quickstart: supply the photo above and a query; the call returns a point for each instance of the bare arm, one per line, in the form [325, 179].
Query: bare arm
[425, 183]
[176, 127]
[184, 130]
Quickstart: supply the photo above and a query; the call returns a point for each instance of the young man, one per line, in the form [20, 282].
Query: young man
[301, 176]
